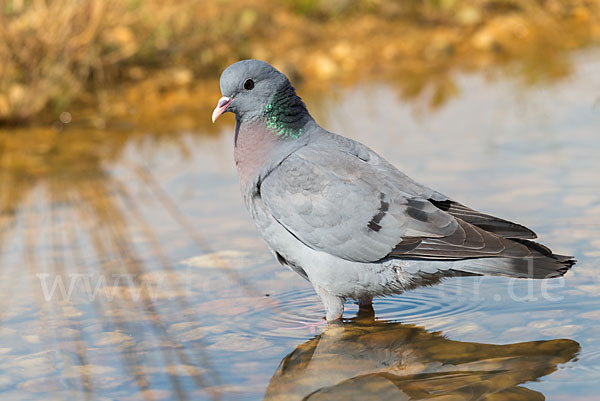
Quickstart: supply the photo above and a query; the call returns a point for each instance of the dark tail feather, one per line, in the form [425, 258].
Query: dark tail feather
[542, 264]
[540, 268]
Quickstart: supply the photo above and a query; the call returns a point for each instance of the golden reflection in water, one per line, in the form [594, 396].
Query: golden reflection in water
[64, 213]
[365, 359]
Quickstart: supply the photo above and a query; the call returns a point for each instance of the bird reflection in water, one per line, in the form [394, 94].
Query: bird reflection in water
[366, 359]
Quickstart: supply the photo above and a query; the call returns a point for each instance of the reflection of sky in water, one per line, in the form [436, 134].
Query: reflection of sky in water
[151, 316]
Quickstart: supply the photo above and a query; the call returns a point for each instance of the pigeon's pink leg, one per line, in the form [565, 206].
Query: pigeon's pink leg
[334, 305]
[365, 309]
[365, 302]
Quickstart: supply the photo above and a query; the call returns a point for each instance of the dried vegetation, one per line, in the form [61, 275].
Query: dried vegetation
[139, 60]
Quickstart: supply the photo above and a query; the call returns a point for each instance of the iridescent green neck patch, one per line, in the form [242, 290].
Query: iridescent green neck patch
[279, 127]
[285, 114]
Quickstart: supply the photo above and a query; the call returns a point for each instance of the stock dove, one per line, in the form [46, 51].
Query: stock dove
[344, 218]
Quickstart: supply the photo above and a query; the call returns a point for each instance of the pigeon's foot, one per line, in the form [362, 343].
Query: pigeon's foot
[365, 302]
[334, 305]
[365, 312]
[332, 316]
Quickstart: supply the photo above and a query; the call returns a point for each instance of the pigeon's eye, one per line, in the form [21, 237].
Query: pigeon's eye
[248, 84]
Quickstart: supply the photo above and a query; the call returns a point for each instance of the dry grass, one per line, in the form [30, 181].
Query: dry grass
[51, 50]
[55, 52]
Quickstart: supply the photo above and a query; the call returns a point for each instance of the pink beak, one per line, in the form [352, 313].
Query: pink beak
[221, 108]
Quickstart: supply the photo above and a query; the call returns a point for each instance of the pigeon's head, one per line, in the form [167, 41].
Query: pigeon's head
[247, 87]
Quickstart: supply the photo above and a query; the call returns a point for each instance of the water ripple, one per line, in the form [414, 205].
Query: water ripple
[295, 314]
[298, 313]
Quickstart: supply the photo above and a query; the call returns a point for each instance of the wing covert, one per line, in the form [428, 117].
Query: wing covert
[337, 202]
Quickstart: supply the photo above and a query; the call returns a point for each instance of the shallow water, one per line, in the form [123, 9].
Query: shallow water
[131, 270]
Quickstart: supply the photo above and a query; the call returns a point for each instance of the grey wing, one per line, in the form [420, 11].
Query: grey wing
[334, 201]
[412, 188]
[347, 201]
